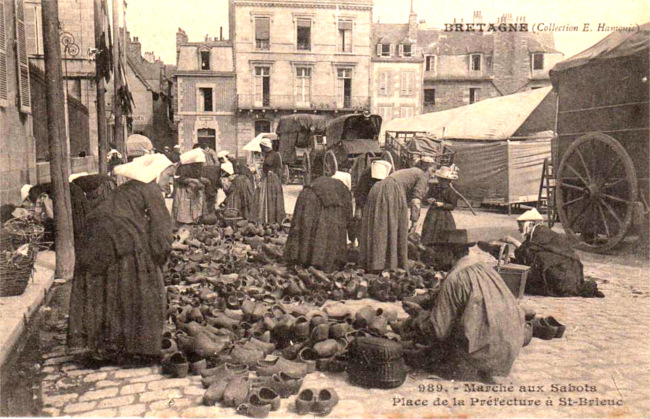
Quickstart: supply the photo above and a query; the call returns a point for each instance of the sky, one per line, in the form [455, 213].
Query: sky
[155, 22]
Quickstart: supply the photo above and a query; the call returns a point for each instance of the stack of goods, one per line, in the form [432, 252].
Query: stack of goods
[253, 328]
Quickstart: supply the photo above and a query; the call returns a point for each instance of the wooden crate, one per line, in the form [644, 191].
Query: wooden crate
[514, 275]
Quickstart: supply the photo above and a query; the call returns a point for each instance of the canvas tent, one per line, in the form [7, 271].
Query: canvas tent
[500, 143]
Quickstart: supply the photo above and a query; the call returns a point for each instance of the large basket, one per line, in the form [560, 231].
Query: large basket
[24, 231]
[376, 362]
[15, 272]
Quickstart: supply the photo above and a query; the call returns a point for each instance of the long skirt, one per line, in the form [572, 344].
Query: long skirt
[436, 221]
[120, 311]
[383, 241]
[268, 206]
[318, 235]
[188, 204]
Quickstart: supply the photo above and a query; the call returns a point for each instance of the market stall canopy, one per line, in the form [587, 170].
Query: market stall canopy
[300, 123]
[618, 44]
[254, 144]
[138, 145]
[495, 119]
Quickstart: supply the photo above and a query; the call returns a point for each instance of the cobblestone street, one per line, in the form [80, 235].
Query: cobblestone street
[599, 369]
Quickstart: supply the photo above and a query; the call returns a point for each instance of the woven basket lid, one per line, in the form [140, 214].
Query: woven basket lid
[376, 350]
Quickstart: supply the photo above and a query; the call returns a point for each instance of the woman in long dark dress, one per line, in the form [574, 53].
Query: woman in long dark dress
[439, 217]
[238, 190]
[189, 190]
[269, 198]
[322, 218]
[117, 306]
[96, 187]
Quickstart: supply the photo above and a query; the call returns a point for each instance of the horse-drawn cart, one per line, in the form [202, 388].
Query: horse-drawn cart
[298, 135]
[603, 141]
[406, 151]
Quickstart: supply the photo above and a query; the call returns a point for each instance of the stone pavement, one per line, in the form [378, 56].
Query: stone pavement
[599, 369]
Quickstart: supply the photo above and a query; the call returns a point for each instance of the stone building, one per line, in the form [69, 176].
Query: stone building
[296, 56]
[17, 145]
[461, 68]
[205, 100]
[396, 70]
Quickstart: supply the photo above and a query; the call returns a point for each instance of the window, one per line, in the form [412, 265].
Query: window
[406, 50]
[473, 94]
[383, 50]
[303, 86]
[431, 63]
[262, 86]
[24, 93]
[429, 96]
[538, 62]
[384, 83]
[262, 126]
[207, 137]
[475, 62]
[386, 113]
[344, 87]
[407, 83]
[3, 58]
[262, 32]
[345, 35]
[33, 29]
[205, 99]
[205, 60]
[406, 111]
[303, 41]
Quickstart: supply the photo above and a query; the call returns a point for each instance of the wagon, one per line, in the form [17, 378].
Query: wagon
[407, 150]
[602, 149]
[348, 137]
[298, 135]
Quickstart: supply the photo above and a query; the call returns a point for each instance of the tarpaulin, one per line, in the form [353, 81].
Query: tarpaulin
[500, 173]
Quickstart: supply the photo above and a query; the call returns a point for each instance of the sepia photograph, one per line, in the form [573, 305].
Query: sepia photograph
[341, 208]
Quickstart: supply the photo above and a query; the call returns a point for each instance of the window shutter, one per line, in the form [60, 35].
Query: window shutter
[3, 58]
[23, 62]
[402, 84]
[401, 50]
[379, 50]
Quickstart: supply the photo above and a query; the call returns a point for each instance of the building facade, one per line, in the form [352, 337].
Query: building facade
[17, 145]
[297, 56]
[205, 102]
[396, 70]
[461, 68]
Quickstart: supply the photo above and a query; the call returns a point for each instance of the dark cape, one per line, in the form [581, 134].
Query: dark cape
[322, 217]
[268, 205]
[556, 270]
[240, 196]
[189, 194]
[96, 187]
[439, 219]
[117, 306]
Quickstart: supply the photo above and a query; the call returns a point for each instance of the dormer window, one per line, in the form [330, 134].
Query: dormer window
[538, 62]
[430, 64]
[406, 50]
[205, 60]
[475, 62]
[383, 50]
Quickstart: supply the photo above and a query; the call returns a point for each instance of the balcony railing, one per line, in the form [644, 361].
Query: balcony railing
[292, 102]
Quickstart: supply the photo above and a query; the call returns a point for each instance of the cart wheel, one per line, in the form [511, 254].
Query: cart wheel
[286, 175]
[306, 170]
[596, 192]
[387, 156]
[330, 165]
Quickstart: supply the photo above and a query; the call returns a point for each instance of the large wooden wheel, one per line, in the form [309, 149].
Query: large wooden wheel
[330, 165]
[387, 156]
[306, 170]
[596, 192]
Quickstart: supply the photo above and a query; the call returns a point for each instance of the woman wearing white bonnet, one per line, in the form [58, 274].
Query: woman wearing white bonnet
[189, 191]
[117, 306]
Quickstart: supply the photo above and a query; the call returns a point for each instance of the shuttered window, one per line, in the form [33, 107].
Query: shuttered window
[407, 83]
[3, 57]
[23, 62]
[384, 83]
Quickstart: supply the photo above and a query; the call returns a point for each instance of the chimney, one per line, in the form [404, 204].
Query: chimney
[181, 38]
[413, 24]
[220, 33]
[135, 48]
[422, 25]
[478, 16]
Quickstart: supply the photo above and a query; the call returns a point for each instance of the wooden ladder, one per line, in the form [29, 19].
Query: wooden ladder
[546, 195]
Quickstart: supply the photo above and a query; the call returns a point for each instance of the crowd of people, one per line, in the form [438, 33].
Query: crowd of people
[123, 236]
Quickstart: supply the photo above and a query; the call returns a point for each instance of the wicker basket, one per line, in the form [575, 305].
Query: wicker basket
[376, 362]
[15, 272]
[24, 231]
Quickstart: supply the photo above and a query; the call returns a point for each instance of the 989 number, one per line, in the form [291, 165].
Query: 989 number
[431, 388]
